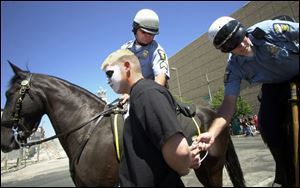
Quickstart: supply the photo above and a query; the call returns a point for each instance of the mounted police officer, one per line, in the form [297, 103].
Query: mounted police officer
[267, 53]
[152, 57]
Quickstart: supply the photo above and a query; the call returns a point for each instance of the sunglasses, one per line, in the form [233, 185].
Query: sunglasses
[109, 73]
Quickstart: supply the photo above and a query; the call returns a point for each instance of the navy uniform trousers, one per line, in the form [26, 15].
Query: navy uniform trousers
[275, 125]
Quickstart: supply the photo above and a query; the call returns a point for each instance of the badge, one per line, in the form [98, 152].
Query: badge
[162, 54]
[145, 54]
[273, 49]
[281, 28]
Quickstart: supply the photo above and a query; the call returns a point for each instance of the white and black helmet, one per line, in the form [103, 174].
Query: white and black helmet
[147, 20]
[226, 33]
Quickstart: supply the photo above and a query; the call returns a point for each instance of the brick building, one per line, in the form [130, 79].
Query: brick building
[199, 62]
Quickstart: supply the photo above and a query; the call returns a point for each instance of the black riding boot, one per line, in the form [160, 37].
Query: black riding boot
[284, 173]
[274, 121]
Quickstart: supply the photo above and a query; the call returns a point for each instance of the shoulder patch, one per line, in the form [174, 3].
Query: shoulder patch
[161, 54]
[163, 65]
[281, 28]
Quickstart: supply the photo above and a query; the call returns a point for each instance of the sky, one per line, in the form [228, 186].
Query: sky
[70, 40]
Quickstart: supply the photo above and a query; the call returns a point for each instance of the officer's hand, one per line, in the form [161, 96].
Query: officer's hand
[123, 99]
[195, 151]
[205, 140]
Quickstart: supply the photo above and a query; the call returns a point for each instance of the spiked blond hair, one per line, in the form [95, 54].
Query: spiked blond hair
[122, 55]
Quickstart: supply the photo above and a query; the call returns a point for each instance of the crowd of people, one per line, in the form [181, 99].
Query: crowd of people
[248, 125]
[245, 125]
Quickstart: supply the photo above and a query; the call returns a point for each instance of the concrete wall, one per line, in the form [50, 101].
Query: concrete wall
[199, 58]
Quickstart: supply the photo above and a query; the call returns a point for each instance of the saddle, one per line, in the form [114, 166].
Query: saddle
[188, 110]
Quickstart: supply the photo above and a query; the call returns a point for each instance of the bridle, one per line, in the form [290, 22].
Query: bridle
[18, 128]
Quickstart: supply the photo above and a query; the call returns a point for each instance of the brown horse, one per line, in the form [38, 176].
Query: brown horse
[87, 134]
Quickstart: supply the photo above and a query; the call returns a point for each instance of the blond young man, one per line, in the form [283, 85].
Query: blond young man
[155, 151]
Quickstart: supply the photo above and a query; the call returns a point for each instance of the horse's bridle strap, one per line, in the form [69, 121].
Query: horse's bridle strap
[16, 114]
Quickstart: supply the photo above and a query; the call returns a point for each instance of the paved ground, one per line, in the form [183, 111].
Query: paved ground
[51, 173]
[256, 161]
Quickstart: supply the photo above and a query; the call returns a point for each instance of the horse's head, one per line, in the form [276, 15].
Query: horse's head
[22, 112]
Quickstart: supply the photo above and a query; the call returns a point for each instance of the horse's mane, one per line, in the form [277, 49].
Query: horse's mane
[77, 86]
[17, 78]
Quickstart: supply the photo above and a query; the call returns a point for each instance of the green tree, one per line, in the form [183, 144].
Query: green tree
[242, 107]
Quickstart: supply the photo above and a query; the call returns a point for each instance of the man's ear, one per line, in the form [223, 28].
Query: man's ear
[127, 65]
[127, 68]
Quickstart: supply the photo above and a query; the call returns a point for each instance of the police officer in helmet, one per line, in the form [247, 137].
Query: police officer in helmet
[152, 56]
[153, 59]
[266, 53]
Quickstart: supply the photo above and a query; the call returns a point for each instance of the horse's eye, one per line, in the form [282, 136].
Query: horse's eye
[7, 94]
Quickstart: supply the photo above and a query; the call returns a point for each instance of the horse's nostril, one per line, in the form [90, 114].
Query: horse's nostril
[7, 148]
[4, 150]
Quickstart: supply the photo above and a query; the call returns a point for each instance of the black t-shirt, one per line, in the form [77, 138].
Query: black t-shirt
[152, 120]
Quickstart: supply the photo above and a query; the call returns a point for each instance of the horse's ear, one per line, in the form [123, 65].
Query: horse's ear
[17, 70]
